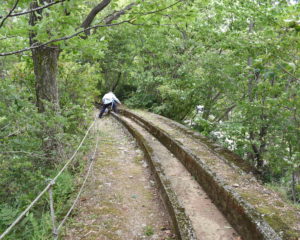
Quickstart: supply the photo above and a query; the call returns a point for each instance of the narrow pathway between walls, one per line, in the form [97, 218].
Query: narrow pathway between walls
[207, 221]
[120, 202]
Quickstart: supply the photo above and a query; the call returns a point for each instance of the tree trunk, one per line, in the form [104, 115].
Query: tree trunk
[209, 103]
[45, 69]
[47, 100]
[45, 60]
[116, 83]
[206, 112]
[260, 148]
[250, 63]
[294, 187]
[45, 65]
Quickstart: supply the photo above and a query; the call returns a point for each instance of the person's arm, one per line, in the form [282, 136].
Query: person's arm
[116, 99]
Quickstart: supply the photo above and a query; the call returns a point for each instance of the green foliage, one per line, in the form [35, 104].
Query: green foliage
[7, 214]
[24, 170]
[148, 231]
[24, 163]
[238, 59]
[63, 190]
[204, 126]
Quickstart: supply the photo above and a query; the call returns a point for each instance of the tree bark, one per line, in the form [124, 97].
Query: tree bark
[259, 149]
[116, 83]
[209, 104]
[294, 187]
[45, 61]
[45, 68]
[89, 19]
[117, 14]
[225, 114]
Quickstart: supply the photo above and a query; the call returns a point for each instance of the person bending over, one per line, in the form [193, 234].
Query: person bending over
[109, 99]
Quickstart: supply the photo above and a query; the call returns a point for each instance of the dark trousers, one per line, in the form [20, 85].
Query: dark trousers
[104, 106]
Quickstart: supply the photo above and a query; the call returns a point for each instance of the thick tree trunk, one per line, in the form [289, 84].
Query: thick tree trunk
[45, 69]
[45, 65]
[45, 60]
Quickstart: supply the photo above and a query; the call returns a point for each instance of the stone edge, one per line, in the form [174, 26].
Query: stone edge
[241, 214]
[180, 221]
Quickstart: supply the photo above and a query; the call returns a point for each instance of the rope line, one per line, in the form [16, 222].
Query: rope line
[25, 211]
[52, 212]
[73, 156]
[82, 186]
[20, 217]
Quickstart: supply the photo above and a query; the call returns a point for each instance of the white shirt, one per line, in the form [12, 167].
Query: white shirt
[109, 98]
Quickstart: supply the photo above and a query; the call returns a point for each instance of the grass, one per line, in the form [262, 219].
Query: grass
[148, 231]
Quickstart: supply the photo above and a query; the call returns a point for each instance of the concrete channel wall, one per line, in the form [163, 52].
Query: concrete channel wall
[243, 217]
[181, 223]
[231, 158]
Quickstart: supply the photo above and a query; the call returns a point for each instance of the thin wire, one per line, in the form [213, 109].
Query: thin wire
[46, 188]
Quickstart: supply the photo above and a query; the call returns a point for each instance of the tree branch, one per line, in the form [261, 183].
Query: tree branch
[89, 19]
[11, 10]
[34, 9]
[153, 24]
[7, 37]
[225, 114]
[286, 71]
[117, 14]
[60, 39]
[159, 10]
[13, 134]
[216, 96]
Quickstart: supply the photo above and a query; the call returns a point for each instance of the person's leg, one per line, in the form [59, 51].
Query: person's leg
[104, 106]
[114, 107]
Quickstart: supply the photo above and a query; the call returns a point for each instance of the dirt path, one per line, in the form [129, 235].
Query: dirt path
[208, 222]
[120, 201]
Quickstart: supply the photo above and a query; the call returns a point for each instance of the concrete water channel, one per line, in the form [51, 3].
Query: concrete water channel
[193, 214]
[188, 188]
